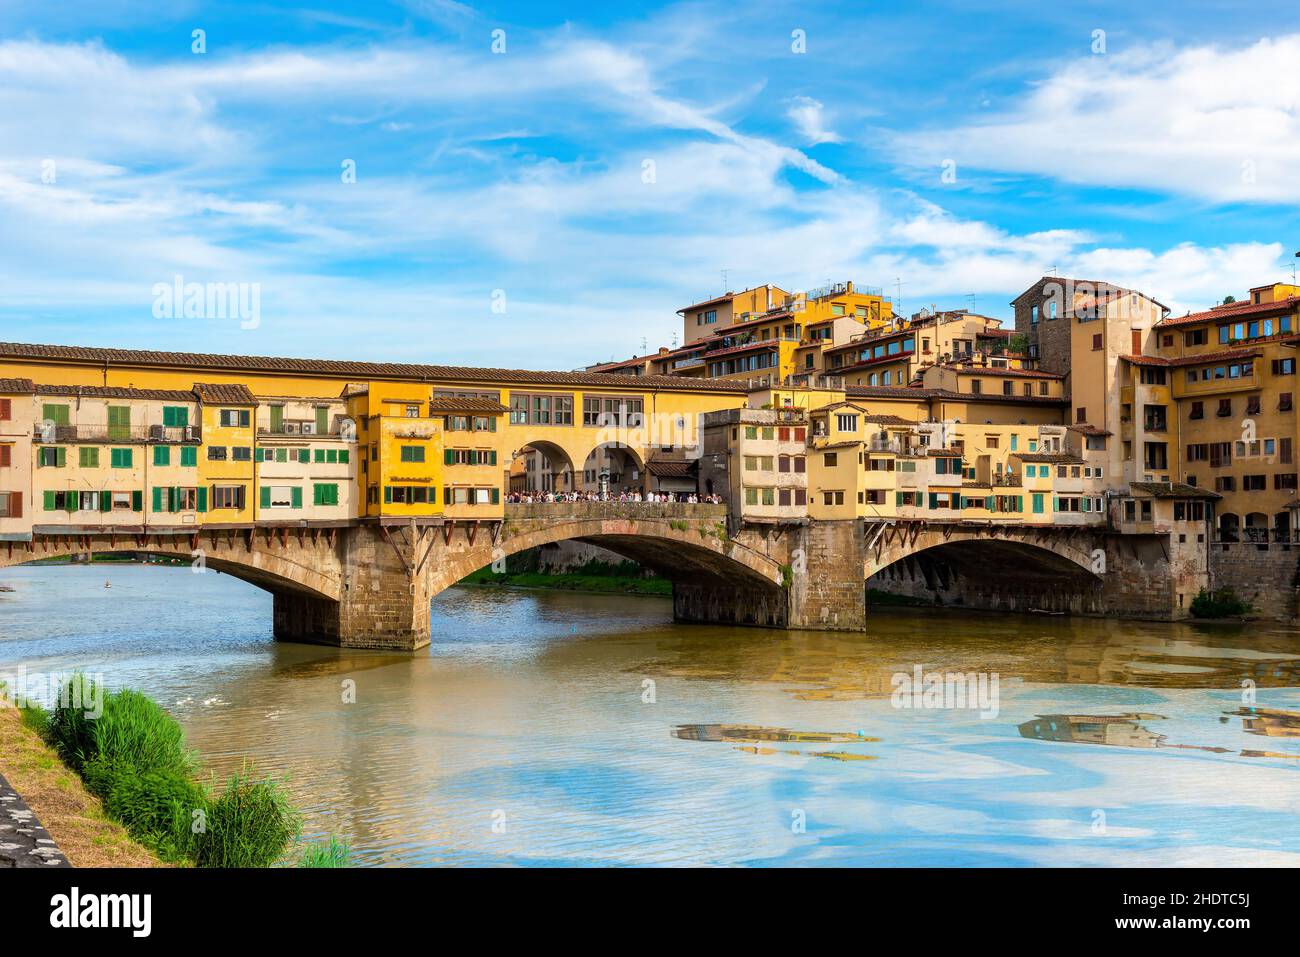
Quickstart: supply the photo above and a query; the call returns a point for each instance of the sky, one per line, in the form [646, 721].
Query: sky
[542, 186]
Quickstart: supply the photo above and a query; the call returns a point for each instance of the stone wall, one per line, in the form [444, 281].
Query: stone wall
[1267, 576]
[826, 590]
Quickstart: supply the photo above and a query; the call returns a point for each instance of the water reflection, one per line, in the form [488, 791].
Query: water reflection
[532, 705]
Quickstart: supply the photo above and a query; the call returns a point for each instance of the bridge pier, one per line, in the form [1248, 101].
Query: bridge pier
[384, 601]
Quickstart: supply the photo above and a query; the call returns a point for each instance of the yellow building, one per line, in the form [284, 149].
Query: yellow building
[226, 471]
[17, 422]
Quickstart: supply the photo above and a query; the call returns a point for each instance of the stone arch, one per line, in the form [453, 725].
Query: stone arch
[563, 471]
[634, 457]
[682, 551]
[280, 567]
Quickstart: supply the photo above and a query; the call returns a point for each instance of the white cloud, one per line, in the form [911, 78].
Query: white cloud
[808, 117]
[1220, 124]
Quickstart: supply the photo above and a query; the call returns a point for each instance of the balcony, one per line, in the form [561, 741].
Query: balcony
[117, 434]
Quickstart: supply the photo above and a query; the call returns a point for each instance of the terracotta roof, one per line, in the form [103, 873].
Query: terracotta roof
[757, 344]
[1056, 458]
[116, 392]
[996, 397]
[903, 392]
[16, 386]
[1232, 311]
[224, 393]
[1205, 357]
[839, 405]
[963, 369]
[355, 370]
[670, 469]
[1086, 429]
[450, 404]
[838, 445]
[1173, 490]
[887, 420]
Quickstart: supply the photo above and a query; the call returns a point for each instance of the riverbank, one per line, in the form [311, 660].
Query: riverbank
[600, 584]
[73, 816]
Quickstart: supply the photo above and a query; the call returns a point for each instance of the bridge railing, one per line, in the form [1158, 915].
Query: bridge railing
[599, 510]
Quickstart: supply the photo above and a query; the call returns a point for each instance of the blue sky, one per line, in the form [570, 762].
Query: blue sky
[552, 204]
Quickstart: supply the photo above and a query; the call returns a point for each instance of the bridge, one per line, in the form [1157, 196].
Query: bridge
[369, 584]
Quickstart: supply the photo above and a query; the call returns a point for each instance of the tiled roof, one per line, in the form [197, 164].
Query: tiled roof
[1201, 359]
[1173, 490]
[963, 369]
[996, 397]
[116, 392]
[670, 469]
[224, 393]
[1232, 311]
[16, 386]
[1056, 458]
[355, 370]
[1085, 429]
[449, 404]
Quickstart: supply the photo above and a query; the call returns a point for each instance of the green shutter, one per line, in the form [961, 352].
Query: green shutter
[332, 456]
[492, 457]
[189, 455]
[448, 456]
[297, 496]
[119, 422]
[988, 502]
[157, 498]
[343, 456]
[304, 456]
[322, 420]
[60, 457]
[162, 455]
[388, 494]
[266, 496]
[105, 501]
[492, 423]
[496, 495]
[70, 502]
[319, 455]
[277, 418]
[49, 501]
[137, 501]
[245, 418]
[282, 455]
[201, 502]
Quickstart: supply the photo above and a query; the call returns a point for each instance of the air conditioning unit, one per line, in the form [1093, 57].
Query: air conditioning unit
[191, 433]
[291, 428]
[307, 428]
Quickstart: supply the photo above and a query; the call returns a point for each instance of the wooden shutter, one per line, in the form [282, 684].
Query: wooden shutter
[137, 501]
[277, 418]
[297, 496]
[343, 456]
[322, 420]
[105, 501]
[448, 456]
[15, 504]
[6, 456]
[266, 496]
[49, 501]
[496, 495]
[60, 457]
[1284, 450]
[201, 499]
[6, 410]
[157, 498]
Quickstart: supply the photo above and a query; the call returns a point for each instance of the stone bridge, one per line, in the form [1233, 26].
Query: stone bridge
[369, 584]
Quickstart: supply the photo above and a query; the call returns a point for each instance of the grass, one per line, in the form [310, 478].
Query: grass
[333, 853]
[75, 817]
[1223, 603]
[624, 578]
[133, 757]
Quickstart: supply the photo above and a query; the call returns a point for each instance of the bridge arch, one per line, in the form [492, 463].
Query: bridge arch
[678, 549]
[281, 566]
[554, 468]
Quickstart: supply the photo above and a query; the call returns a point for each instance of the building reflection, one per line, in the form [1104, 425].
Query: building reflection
[1125, 731]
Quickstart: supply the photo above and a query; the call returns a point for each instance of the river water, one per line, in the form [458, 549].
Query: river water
[546, 728]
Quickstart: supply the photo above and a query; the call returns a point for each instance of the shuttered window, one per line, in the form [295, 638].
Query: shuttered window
[120, 458]
[162, 455]
[189, 456]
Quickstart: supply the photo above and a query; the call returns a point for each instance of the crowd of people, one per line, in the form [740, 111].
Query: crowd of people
[626, 495]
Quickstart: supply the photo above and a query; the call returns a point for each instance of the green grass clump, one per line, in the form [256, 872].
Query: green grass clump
[333, 853]
[157, 807]
[251, 824]
[1223, 603]
[133, 757]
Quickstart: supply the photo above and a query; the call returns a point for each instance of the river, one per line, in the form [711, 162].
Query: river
[549, 728]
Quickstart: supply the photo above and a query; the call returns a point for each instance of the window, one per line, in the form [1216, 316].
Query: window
[176, 416]
[976, 386]
[1097, 342]
[409, 495]
[120, 458]
[832, 498]
[228, 496]
[540, 409]
[1284, 367]
[1080, 415]
[1252, 405]
[328, 494]
[831, 459]
[234, 418]
[1254, 483]
[58, 414]
[162, 455]
[11, 504]
[51, 457]
[87, 457]
[189, 455]
[241, 453]
[846, 423]
[281, 496]
[1033, 313]
[1198, 411]
[1284, 401]
[411, 453]
[216, 453]
[1225, 408]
